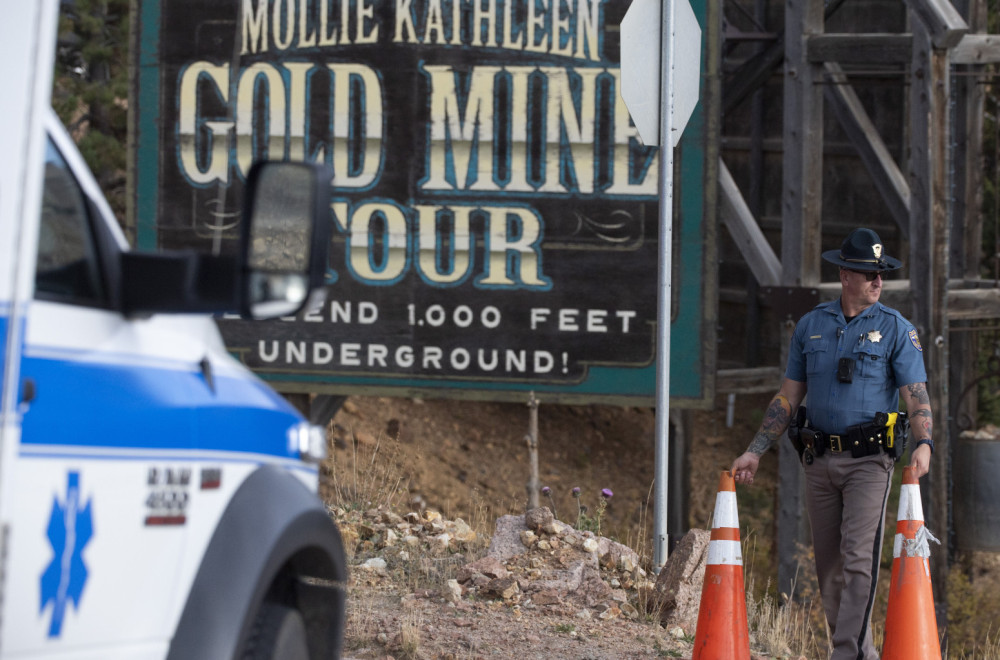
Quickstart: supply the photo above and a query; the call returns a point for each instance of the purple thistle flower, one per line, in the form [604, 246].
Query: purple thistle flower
[546, 490]
[576, 491]
[607, 494]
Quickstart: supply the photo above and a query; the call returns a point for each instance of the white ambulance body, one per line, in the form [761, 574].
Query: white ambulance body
[157, 500]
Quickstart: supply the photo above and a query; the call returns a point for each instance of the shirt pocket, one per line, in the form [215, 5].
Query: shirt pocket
[817, 353]
[872, 360]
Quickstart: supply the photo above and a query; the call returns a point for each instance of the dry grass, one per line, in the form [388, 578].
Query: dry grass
[409, 636]
[367, 477]
[782, 630]
[988, 649]
[361, 629]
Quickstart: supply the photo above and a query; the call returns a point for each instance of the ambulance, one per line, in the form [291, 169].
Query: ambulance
[157, 500]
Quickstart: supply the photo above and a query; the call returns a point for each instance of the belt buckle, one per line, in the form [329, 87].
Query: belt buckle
[836, 445]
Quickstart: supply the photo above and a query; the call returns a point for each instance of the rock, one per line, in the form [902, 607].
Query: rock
[441, 541]
[506, 541]
[547, 597]
[460, 531]
[375, 565]
[452, 591]
[561, 581]
[490, 567]
[678, 586]
[390, 518]
[593, 590]
[505, 588]
[610, 613]
[349, 537]
[617, 555]
[553, 528]
[590, 545]
[536, 519]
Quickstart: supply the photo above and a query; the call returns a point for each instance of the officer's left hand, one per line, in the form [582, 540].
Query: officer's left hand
[920, 460]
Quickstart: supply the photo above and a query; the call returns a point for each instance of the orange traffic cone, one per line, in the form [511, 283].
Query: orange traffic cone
[723, 633]
[910, 625]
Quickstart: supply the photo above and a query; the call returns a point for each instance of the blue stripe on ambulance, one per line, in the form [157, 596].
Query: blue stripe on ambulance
[89, 405]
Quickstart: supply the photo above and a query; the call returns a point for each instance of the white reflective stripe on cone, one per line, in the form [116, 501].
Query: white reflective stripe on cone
[725, 510]
[726, 553]
[918, 546]
[910, 506]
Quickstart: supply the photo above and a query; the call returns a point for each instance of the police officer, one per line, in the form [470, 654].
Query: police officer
[856, 358]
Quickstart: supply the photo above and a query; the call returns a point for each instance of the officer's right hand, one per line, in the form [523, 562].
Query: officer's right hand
[745, 467]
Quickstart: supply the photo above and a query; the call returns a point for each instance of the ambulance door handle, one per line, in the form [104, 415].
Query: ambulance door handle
[27, 391]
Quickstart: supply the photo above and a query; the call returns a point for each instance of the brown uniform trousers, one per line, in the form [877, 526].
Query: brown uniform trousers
[846, 499]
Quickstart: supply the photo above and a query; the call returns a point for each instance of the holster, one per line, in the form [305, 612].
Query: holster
[795, 428]
[899, 433]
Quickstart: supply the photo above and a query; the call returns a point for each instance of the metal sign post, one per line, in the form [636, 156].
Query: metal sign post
[660, 119]
[666, 192]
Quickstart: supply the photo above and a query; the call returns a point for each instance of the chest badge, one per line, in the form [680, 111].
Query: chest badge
[874, 336]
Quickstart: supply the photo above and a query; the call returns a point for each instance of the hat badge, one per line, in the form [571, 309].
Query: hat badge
[877, 249]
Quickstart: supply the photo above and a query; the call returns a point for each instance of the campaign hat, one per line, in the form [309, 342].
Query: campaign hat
[862, 250]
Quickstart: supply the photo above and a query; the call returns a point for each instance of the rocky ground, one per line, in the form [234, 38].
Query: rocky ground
[430, 497]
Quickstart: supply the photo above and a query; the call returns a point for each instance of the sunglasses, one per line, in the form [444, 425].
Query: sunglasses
[870, 275]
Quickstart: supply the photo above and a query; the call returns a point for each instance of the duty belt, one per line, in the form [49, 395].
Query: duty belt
[886, 432]
[860, 440]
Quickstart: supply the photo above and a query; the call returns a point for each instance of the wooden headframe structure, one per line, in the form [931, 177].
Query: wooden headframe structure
[933, 198]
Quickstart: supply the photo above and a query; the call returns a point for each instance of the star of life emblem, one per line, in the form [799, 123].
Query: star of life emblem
[877, 249]
[874, 336]
[70, 528]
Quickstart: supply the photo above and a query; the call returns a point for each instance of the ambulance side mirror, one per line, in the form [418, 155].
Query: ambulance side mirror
[286, 237]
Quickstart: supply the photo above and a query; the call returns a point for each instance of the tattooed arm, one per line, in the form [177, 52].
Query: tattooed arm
[776, 418]
[918, 405]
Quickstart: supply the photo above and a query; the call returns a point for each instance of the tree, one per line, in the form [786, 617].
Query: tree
[90, 89]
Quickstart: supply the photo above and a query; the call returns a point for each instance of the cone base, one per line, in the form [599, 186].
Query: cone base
[722, 633]
[911, 631]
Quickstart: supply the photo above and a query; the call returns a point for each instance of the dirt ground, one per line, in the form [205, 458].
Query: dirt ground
[470, 460]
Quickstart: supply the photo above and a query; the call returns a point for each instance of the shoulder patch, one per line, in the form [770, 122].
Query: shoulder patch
[915, 340]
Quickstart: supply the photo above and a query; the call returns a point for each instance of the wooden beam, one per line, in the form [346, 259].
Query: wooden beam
[801, 215]
[929, 240]
[754, 72]
[942, 21]
[973, 304]
[966, 301]
[966, 225]
[888, 178]
[743, 228]
[860, 48]
[802, 133]
[749, 381]
[977, 49]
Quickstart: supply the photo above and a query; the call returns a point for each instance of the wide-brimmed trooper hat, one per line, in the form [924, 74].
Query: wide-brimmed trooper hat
[862, 250]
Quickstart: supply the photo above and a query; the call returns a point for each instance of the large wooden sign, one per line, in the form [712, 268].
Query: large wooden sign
[495, 224]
